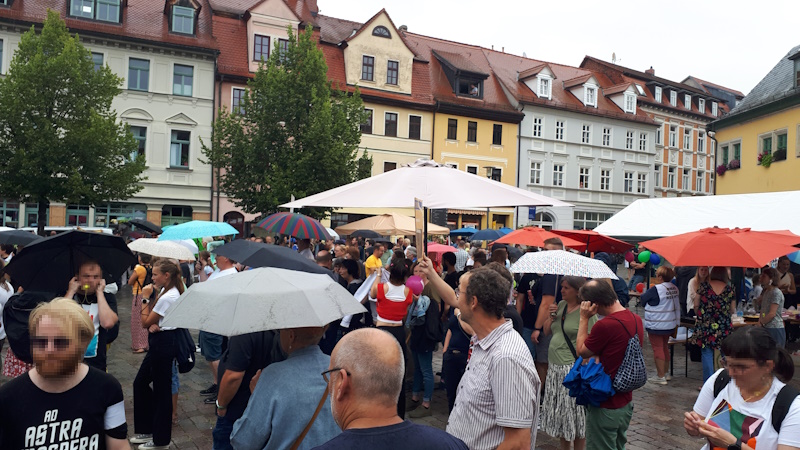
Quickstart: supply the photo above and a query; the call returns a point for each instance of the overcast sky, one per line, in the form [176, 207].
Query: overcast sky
[733, 43]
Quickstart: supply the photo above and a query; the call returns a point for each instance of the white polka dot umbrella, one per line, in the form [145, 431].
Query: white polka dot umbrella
[560, 262]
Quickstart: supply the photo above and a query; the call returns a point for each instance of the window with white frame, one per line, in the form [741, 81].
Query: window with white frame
[583, 177]
[701, 141]
[559, 130]
[605, 179]
[545, 87]
[607, 137]
[179, 148]
[686, 179]
[586, 134]
[538, 125]
[536, 172]
[628, 183]
[671, 178]
[701, 105]
[687, 138]
[639, 89]
[687, 101]
[657, 175]
[558, 174]
[630, 103]
[590, 96]
[673, 98]
[698, 186]
[659, 93]
[714, 109]
[629, 140]
[673, 136]
[641, 183]
[643, 142]
[660, 134]
[585, 220]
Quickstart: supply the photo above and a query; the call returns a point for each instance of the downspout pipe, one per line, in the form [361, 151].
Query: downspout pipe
[217, 95]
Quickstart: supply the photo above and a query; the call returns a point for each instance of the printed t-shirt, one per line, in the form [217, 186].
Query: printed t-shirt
[609, 341]
[403, 435]
[165, 301]
[526, 287]
[95, 355]
[78, 418]
[749, 421]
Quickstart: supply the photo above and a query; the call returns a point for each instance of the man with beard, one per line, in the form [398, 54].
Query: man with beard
[67, 403]
[364, 379]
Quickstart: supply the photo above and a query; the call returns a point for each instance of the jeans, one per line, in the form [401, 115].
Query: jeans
[707, 354]
[423, 374]
[526, 336]
[635, 279]
[152, 407]
[222, 433]
[779, 334]
[176, 382]
[454, 364]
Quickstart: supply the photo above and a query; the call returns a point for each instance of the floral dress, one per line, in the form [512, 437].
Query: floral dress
[714, 317]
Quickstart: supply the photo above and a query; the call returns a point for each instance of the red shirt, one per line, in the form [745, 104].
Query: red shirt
[609, 341]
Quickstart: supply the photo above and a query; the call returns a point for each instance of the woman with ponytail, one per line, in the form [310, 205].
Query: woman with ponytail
[747, 405]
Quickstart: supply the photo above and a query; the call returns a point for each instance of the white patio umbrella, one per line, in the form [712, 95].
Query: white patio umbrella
[437, 185]
[163, 249]
[561, 262]
[262, 299]
[391, 223]
[334, 235]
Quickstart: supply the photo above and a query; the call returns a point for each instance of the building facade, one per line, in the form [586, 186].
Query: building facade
[766, 122]
[165, 54]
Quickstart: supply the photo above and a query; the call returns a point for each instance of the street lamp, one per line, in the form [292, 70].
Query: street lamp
[489, 171]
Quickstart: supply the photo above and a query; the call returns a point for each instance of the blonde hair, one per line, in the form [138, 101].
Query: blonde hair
[74, 319]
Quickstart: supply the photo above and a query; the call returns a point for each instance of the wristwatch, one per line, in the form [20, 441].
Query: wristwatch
[737, 445]
[225, 407]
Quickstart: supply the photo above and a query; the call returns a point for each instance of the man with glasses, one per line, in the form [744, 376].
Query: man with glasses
[67, 404]
[364, 381]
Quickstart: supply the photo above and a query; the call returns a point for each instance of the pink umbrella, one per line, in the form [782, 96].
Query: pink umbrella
[440, 248]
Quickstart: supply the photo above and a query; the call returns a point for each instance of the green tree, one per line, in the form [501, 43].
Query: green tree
[59, 137]
[294, 135]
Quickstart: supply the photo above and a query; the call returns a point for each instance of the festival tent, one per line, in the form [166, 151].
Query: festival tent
[659, 217]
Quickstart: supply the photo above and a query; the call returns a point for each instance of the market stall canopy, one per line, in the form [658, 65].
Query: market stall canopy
[390, 224]
[438, 186]
[659, 217]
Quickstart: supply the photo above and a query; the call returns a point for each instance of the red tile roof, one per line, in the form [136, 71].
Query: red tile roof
[143, 20]
[335, 31]
[533, 71]
[708, 83]
[305, 10]
[577, 81]
[231, 35]
[616, 89]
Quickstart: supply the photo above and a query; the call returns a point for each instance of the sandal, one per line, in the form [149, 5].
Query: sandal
[139, 350]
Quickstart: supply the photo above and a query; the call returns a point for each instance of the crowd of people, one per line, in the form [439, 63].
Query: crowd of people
[508, 341]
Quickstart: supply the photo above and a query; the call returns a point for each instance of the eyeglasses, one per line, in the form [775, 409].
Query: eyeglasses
[739, 368]
[335, 369]
[59, 343]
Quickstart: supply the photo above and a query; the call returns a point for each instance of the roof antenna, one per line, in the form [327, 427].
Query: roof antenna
[613, 57]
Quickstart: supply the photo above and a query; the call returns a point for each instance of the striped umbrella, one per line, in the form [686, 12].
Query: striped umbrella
[294, 224]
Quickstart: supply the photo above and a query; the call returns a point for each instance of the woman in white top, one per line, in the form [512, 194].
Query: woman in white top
[152, 406]
[785, 277]
[756, 372]
[693, 299]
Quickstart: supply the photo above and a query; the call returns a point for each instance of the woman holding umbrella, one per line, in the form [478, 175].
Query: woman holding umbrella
[715, 304]
[152, 407]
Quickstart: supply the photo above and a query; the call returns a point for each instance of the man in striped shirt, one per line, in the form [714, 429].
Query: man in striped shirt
[497, 401]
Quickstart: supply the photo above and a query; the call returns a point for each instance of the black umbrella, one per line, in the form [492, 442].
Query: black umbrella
[366, 234]
[150, 227]
[256, 254]
[18, 237]
[48, 264]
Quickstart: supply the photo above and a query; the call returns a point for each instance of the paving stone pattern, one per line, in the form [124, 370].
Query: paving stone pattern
[657, 417]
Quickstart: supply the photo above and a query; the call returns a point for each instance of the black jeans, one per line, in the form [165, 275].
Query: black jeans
[454, 363]
[152, 407]
[399, 333]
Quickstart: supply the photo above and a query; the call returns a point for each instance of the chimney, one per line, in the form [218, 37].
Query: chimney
[403, 28]
[650, 71]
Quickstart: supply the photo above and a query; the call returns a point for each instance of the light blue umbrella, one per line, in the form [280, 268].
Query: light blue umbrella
[794, 257]
[505, 230]
[466, 231]
[197, 229]
[487, 235]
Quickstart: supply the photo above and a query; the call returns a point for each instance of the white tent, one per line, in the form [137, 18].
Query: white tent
[659, 217]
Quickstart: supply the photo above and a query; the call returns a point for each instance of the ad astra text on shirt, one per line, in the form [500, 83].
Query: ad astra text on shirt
[59, 435]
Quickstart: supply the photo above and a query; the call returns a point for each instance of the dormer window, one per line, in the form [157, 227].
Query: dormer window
[687, 101]
[714, 109]
[797, 72]
[182, 20]
[465, 79]
[381, 31]
[701, 105]
[102, 10]
[470, 87]
[658, 94]
[673, 98]
[630, 103]
[590, 96]
[545, 87]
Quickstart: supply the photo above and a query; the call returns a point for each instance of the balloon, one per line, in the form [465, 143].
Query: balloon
[644, 256]
[415, 284]
[655, 259]
[640, 288]
[629, 257]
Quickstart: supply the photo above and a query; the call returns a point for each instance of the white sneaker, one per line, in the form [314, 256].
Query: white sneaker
[152, 446]
[141, 438]
[668, 377]
[657, 380]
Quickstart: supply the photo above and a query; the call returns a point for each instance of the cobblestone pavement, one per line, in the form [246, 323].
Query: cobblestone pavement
[657, 418]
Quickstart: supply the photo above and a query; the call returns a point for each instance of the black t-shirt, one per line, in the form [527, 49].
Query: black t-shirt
[548, 285]
[187, 270]
[527, 287]
[79, 418]
[643, 270]
[403, 436]
[516, 318]
[459, 339]
[247, 353]
[97, 346]
[452, 279]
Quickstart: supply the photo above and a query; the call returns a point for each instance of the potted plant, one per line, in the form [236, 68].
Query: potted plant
[779, 155]
[721, 169]
[734, 164]
[765, 159]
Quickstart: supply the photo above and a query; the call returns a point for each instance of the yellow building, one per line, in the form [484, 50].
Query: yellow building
[766, 122]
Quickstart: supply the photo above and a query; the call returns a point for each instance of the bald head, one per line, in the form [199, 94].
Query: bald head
[375, 360]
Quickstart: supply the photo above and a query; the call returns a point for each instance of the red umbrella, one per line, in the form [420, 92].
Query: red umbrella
[595, 241]
[535, 236]
[738, 247]
[439, 248]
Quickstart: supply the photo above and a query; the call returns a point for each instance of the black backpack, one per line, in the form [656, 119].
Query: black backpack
[786, 396]
[185, 350]
[15, 319]
[148, 278]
